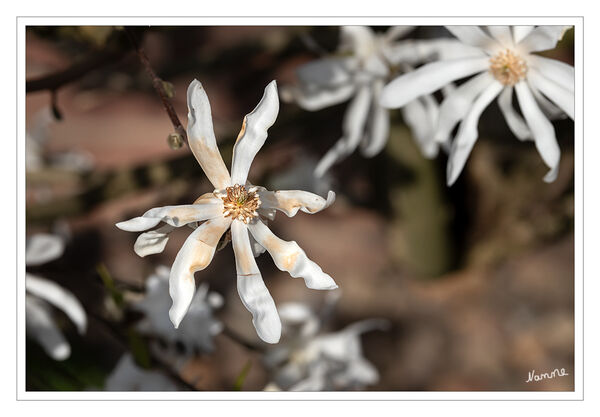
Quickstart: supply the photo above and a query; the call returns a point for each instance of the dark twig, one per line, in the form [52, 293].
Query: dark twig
[227, 331]
[159, 85]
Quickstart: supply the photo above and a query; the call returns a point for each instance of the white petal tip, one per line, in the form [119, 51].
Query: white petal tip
[138, 224]
[270, 338]
[60, 352]
[551, 175]
[174, 317]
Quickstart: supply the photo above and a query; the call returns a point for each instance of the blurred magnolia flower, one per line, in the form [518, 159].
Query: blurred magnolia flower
[365, 63]
[198, 327]
[42, 294]
[237, 205]
[505, 62]
[307, 360]
[127, 376]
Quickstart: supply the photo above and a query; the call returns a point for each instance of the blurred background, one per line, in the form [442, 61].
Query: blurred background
[475, 281]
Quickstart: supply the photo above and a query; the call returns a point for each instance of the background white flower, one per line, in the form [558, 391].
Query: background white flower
[505, 62]
[237, 205]
[42, 294]
[127, 376]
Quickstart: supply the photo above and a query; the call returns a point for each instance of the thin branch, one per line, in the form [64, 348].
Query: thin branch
[234, 336]
[158, 84]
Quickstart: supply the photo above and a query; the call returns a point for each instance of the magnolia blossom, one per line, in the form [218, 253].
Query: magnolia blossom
[127, 376]
[196, 330]
[506, 62]
[365, 63]
[237, 205]
[42, 294]
[307, 360]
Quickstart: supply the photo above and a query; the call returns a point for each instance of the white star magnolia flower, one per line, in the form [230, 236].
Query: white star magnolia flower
[234, 204]
[196, 330]
[505, 62]
[42, 294]
[361, 76]
[127, 376]
[308, 361]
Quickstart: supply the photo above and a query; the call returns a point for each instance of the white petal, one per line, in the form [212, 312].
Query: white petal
[252, 290]
[257, 248]
[515, 122]
[562, 97]
[467, 132]
[429, 78]
[195, 255]
[520, 32]
[175, 216]
[396, 32]
[458, 103]
[288, 256]
[42, 248]
[502, 34]
[40, 326]
[353, 127]
[327, 72]
[550, 109]
[475, 36]
[542, 38]
[417, 119]
[317, 99]
[152, 242]
[542, 130]
[295, 313]
[360, 40]
[201, 136]
[254, 133]
[58, 297]
[417, 51]
[557, 71]
[379, 125]
[127, 376]
[290, 201]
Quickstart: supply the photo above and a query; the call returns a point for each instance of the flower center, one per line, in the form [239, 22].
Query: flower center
[508, 67]
[240, 204]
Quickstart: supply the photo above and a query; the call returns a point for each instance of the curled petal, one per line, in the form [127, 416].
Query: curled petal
[288, 256]
[562, 97]
[474, 36]
[554, 70]
[39, 325]
[152, 242]
[252, 290]
[290, 201]
[42, 248]
[542, 38]
[515, 122]
[429, 78]
[58, 297]
[541, 128]
[202, 137]
[195, 255]
[254, 133]
[467, 132]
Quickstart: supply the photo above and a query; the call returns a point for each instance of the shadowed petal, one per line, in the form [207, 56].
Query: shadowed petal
[202, 137]
[515, 122]
[152, 242]
[42, 248]
[39, 325]
[318, 98]
[195, 255]
[542, 38]
[554, 70]
[550, 109]
[288, 256]
[417, 51]
[252, 290]
[290, 201]
[360, 40]
[562, 97]
[379, 125]
[396, 32]
[254, 133]
[327, 72]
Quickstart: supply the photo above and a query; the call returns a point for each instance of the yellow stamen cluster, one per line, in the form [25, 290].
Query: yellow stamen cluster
[508, 67]
[240, 204]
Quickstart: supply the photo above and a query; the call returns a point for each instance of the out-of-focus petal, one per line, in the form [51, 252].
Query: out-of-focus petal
[396, 32]
[40, 326]
[458, 103]
[127, 376]
[254, 133]
[58, 297]
[153, 242]
[195, 255]
[417, 51]
[42, 248]
[327, 72]
[515, 122]
[288, 256]
[542, 38]
[201, 136]
[429, 78]
[290, 201]
[416, 117]
[541, 128]
[554, 70]
[502, 34]
[319, 98]
[252, 290]
[562, 97]
[379, 125]
[360, 40]
[520, 32]
[467, 132]
[475, 36]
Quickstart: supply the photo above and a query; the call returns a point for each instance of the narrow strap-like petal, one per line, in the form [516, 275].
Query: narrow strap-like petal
[290, 201]
[41, 248]
[557, 71]
[562, 97]
[415, 52]
[152, 242]
[429, 78]
[515, 122]
[290, 257]
[396, 32]
[254, 133]
[175, 216]
[252, 290]
[378, 131]
[520, 32]
[58, 297]
[201, 136]
[502, 34]
[40, 326]
[475, 36]
[541, 128]
[328, 72]
[542, 38]
[195, 255]
[467, 132]
[318, 98]
[551, 110]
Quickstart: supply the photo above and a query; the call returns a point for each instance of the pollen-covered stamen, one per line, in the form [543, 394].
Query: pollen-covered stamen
[240, 204]
[507, 67]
